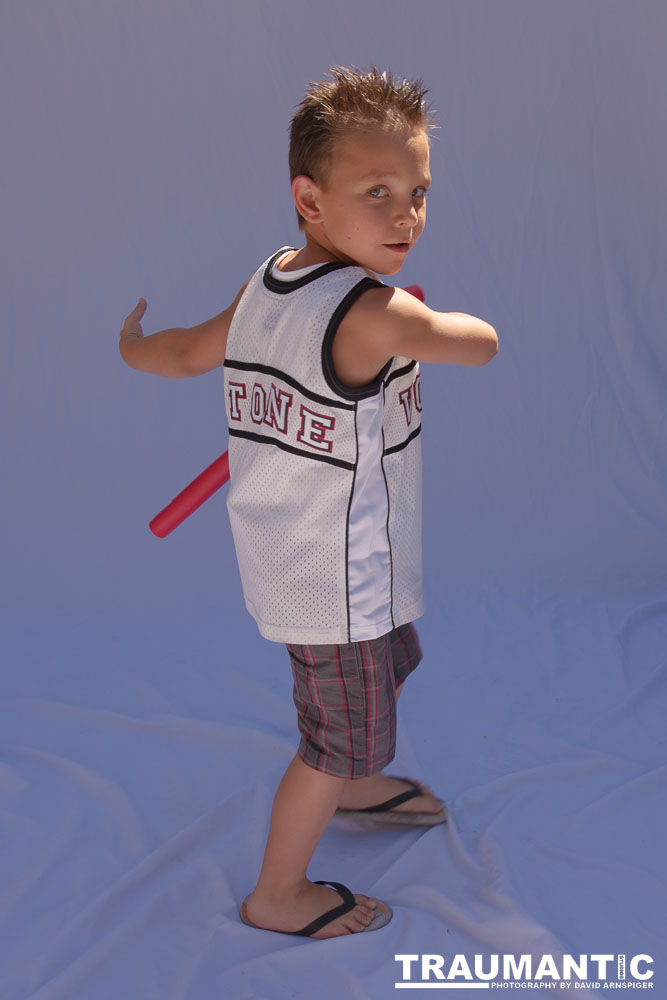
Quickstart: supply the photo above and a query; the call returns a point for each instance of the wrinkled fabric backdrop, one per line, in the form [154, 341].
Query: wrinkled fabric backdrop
[145, 722]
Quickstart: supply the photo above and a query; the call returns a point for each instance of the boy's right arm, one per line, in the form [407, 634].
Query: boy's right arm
[390, 322]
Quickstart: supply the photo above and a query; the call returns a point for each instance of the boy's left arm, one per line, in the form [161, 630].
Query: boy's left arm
[179, 352]
[206, 343]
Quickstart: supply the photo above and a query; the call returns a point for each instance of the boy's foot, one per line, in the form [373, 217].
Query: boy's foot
[364, 792]
[291, 914]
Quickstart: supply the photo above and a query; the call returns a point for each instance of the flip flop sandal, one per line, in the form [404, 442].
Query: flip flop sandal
[382, 812]
[383, 914]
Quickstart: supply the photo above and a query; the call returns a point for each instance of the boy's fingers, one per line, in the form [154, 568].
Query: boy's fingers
[131, 326]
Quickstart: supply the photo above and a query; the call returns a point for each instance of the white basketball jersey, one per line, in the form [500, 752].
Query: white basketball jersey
[324, 498]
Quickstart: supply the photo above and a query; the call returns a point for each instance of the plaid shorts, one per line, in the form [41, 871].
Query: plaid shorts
[345, 699]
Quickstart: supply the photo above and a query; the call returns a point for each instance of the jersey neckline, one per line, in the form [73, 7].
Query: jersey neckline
[276, 284]
[295, 272]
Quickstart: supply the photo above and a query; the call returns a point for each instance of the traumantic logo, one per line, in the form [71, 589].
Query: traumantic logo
[608, 972]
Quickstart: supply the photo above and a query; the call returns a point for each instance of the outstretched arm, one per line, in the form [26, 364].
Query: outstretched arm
[178, 352]
[389, 322]
[206, 343]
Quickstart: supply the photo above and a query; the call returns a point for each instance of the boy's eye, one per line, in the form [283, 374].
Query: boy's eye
[381, 187]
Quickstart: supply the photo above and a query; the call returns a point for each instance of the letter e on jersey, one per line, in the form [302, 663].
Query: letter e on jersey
[314, 427]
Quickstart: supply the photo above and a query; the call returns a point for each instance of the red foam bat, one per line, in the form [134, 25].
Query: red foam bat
[208, 481]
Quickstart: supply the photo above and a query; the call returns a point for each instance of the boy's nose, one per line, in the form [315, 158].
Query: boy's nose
[408, 216]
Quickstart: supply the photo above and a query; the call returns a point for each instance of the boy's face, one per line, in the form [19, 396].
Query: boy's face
[375, 197]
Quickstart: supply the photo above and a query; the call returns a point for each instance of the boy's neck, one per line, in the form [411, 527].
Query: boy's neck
[314, 253]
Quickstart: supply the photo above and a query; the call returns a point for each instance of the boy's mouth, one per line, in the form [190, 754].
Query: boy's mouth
[399, 247]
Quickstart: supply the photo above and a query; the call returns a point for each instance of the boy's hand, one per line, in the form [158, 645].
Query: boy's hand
[163, 353]
[132, 326]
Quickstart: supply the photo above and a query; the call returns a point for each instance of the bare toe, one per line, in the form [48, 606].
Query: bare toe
[356, 921]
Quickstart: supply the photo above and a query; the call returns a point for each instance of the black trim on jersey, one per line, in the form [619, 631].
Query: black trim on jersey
[276, 285]
[346, 391]
[265, 439]
[391, 556]
[400, 371]
[403, 444]
[250, 366]
[347, 530]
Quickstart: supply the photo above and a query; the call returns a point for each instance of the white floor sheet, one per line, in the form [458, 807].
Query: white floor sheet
[139, 766]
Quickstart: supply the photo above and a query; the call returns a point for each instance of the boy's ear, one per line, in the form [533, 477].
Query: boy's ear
[305, 193]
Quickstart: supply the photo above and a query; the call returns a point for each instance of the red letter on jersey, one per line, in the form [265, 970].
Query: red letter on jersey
[313, 428]
[405, 399]
[258, 403]
[236, 392]
[418, 392]
[277, 408]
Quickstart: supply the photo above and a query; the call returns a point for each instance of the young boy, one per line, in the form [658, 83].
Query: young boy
[321, 366]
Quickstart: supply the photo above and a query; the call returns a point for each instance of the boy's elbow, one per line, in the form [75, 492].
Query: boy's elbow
[489, 347]
[197, 360]
[126, 352]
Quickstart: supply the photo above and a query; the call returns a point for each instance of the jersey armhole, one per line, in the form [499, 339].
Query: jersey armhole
[328, 370]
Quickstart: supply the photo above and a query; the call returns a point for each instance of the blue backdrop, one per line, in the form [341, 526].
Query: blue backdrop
[145, 721]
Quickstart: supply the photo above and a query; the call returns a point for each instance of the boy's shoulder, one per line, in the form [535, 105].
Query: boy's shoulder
[357, 351]
[354, 348]
[207, 341]
[362, 344]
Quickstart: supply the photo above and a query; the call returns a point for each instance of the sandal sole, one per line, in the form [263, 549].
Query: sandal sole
[397, 818]
[383, 914]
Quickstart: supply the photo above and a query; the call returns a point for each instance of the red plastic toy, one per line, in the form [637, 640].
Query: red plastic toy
[193, 496]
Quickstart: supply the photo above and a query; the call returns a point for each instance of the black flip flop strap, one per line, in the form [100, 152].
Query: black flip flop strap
[349, 902]
[396, 801]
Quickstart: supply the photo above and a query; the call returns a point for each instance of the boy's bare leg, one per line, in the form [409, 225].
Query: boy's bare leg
[284, 899]
[361, 792]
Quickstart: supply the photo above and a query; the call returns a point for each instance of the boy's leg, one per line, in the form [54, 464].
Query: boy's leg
[345, 702]
[284, 899]
[361, 792]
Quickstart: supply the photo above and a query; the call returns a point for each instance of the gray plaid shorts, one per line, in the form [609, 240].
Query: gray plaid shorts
[345, 699]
